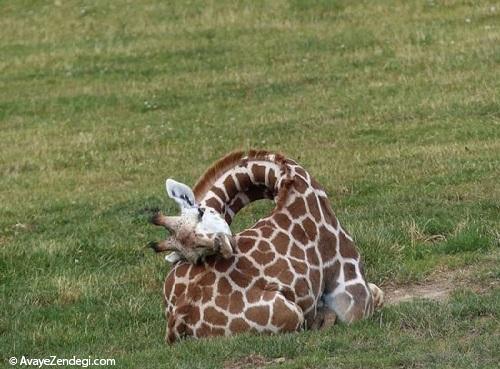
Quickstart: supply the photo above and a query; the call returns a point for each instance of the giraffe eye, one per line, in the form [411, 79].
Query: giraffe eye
[201, 211]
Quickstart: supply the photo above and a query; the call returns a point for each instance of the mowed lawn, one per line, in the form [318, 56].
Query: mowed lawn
[392, 105]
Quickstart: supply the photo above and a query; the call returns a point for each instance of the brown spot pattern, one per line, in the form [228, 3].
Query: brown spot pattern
[224, 287]
[222, 301]
[214, 204]
[312, 204]
[179, 289]
[239, 325]
[253, 294]
[358, 291]
[299, 267]
[266, 231]
[236, 302]
[222, 265]
[259, 174]
[271, 179]
[193, 316]
[181, 269]
[282, 220]
[207, 279]
[244, 181]
[312, 257]
[246, 267]
[347, 248]
[194, 292]
[301, 287]
[299, 234]
[359, 294]
[214, 317]
[314, 278]
[204, 330]
[298, 207]
[284, 317]
[239, 278]
[274, 269]
[286, 277]
[263, 246]
[249, 233]
[327, 244]
[297, 252]
[245, 244]
[218, 331]
[220, 194]
[263, 258]
[230, 187]
[301, 172]
[331, 276]
[237, 204]
[310, 228]
[206, 294]
[349, 271]
[169, 284]
[258, 314]
[280, 242]
[327, 211]
[300, 185]
[306, 303]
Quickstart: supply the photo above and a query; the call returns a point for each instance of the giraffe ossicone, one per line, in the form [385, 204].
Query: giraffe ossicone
[283, 274]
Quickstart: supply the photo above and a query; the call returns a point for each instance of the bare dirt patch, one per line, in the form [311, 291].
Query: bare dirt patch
[439, 285]
[433, 291]
[252, 361]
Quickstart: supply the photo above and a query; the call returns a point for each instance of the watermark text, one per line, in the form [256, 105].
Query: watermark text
[53, 360]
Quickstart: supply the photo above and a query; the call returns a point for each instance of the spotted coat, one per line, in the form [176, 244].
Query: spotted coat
[284, 268]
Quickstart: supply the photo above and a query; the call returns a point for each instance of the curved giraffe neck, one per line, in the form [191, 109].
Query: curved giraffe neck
[258, 175]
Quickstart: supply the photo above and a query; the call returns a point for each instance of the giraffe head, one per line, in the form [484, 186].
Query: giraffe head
[196, 233]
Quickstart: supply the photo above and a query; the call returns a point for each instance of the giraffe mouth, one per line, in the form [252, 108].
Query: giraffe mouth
[163, 246]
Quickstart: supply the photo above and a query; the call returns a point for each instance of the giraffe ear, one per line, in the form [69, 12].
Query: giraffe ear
[180, 193]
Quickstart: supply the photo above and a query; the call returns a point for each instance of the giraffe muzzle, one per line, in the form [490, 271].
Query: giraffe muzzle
[166, 245]
[170, 223]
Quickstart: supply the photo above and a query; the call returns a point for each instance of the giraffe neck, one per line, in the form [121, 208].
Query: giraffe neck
[250, 179]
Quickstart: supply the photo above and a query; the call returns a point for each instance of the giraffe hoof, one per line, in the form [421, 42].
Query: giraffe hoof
[378, 295]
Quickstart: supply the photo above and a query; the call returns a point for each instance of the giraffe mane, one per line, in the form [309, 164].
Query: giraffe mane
[212, 174]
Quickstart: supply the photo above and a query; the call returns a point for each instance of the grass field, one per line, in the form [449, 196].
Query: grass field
[392, 105]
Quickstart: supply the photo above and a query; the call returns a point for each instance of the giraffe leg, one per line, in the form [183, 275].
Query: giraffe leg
[171, 335]
[180, 321]
[325, 318]
[350, 303]
[286, 315]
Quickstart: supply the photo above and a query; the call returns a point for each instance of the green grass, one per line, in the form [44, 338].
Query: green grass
[392, 105]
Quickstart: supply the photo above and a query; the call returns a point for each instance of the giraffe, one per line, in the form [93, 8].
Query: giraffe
[281, 275]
